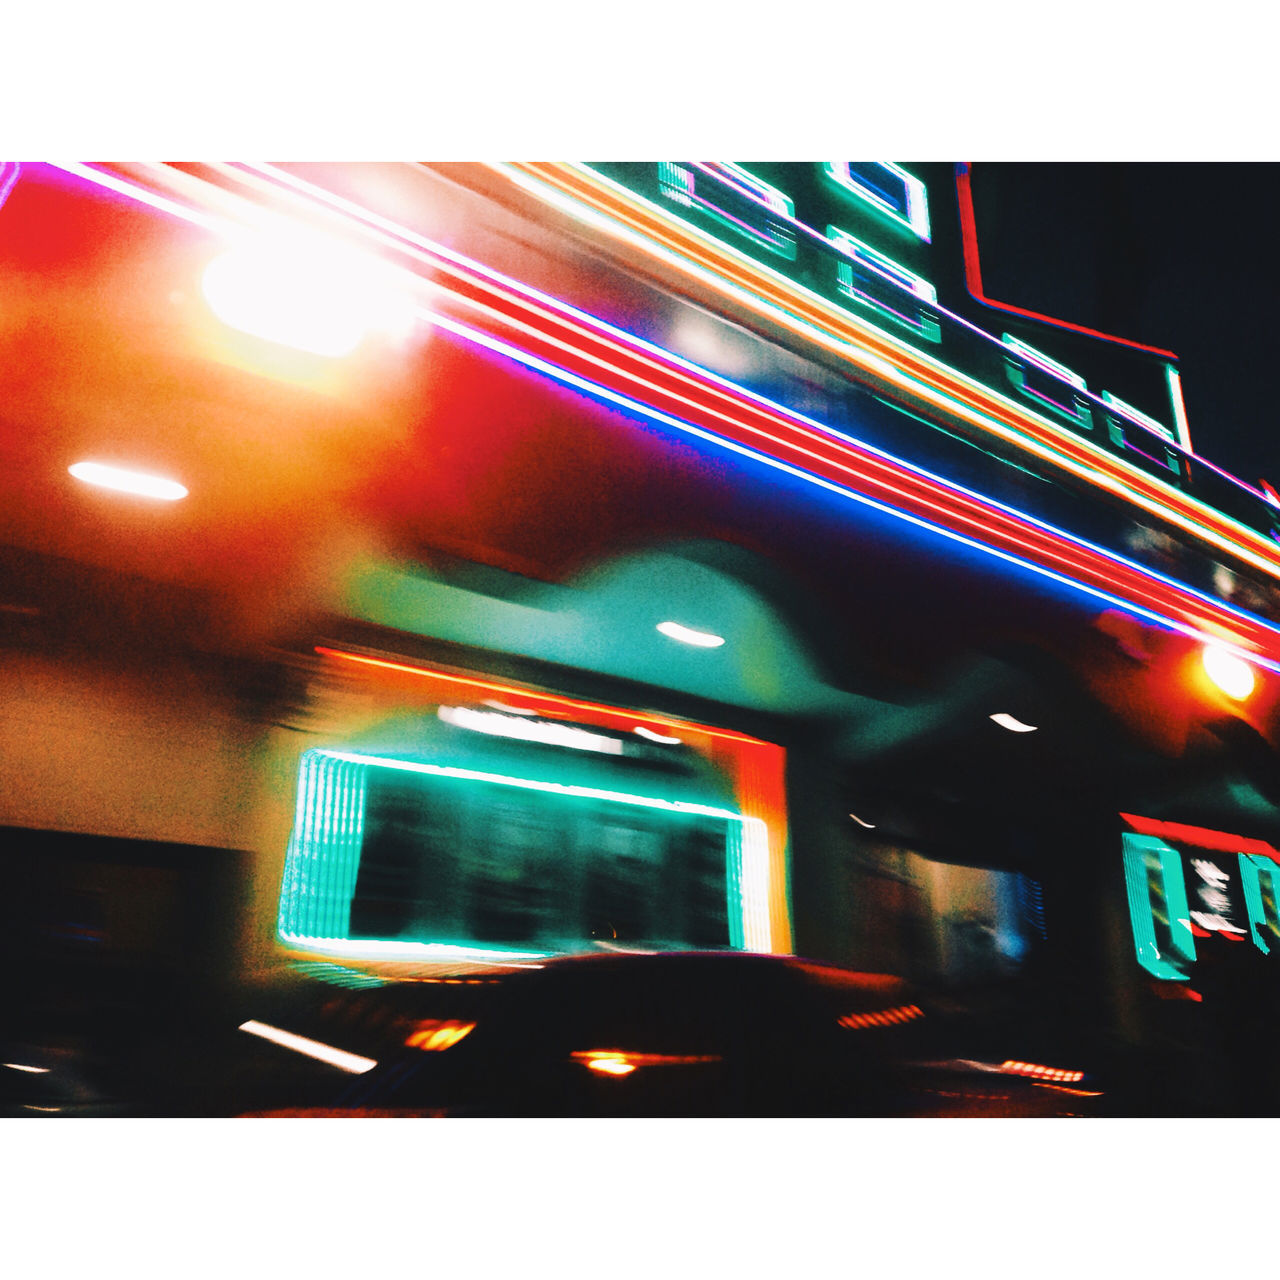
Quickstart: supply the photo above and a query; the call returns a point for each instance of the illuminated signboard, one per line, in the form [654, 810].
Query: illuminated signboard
[1187, 885]
[753, 228]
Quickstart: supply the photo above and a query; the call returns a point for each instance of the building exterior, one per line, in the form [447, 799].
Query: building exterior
[668, 554]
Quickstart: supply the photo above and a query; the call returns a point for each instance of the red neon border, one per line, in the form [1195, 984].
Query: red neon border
[1200, 837]
[973, 275]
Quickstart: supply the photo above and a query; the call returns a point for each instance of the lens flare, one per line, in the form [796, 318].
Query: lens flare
[1233, 675]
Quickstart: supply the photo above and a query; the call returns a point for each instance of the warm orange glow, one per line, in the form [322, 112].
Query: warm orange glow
[619, 1062]
[611, 1066]
[1038, 1072]
[882, 1017]
[439, 1035]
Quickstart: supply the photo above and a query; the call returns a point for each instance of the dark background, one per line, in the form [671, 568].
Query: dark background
[1179, 256]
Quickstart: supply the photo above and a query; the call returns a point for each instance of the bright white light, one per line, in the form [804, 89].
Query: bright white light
[339, 1058]
[686, 635]
[503, 726]
[512, 711]
[657, 737]
[1233, 675]
[20, 1066]
[1006, 721]
[124, 481]
[320, 298]
[871, 826]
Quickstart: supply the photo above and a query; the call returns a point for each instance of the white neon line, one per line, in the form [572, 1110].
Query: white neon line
[391, 949]
[339, 1058]
[657, 415]
[871, 826]
[21, 1066]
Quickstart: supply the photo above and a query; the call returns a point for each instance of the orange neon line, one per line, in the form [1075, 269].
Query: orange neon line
[674, 237]
[549, 699]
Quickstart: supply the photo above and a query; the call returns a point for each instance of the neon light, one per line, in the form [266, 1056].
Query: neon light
[881, 1017]
[393, 949]
[1174, 379]
[687, 184]
[121, 480]
[755, 766]
[1142, 419]
[1151, 867]
[1201, 837]
[797, 308]
[557, 735]
[622, 1062]
[1014, 725]
[890, 303]
[340, 1058]
[973, 275]
[871, 826]
[687, 635]
[1260, 902]
[1038, 1072]
[323, 856]
[1229, 672]
[1214, 606]
[607, 1064]
[1126, 491]
[22, 1066]
[866, 180]
[1098, 469]
[657, 737]
[1021, 376]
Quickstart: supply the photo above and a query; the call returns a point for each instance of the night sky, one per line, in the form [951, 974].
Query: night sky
[1174, 255]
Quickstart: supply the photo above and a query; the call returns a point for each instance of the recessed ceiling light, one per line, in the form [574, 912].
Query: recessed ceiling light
[1006, 721]
[125, 481]
[1233, 675]
[687, 635]
[656, 737]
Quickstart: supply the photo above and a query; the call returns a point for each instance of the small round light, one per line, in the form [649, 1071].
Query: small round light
[1233, 675]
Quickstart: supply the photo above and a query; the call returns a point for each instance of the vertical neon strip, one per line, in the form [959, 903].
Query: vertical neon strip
[735, 894]
[1252, 868]
[1138, 850]
[1174, 379]
[754, 845]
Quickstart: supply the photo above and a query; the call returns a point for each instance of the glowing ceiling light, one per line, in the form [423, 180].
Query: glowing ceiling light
[1006, 721]
[687, 635]
[1232, 674]
[504, 726]
[656, 737]
[124, 481]
[339, 1058]
[324, 300]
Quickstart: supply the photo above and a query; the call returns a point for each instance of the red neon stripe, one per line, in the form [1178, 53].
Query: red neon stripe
[973, 276]
[1200, 837]
[581, 188]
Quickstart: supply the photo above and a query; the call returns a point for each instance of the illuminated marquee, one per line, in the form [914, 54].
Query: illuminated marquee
[1186, 883]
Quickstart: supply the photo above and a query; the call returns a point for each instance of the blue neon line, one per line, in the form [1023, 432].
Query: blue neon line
[556, 304]
[635, 406]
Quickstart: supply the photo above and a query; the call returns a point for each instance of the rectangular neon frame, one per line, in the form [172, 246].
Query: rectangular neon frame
[323, 857]
[915, 216]
[678, 181]
[924, 326]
